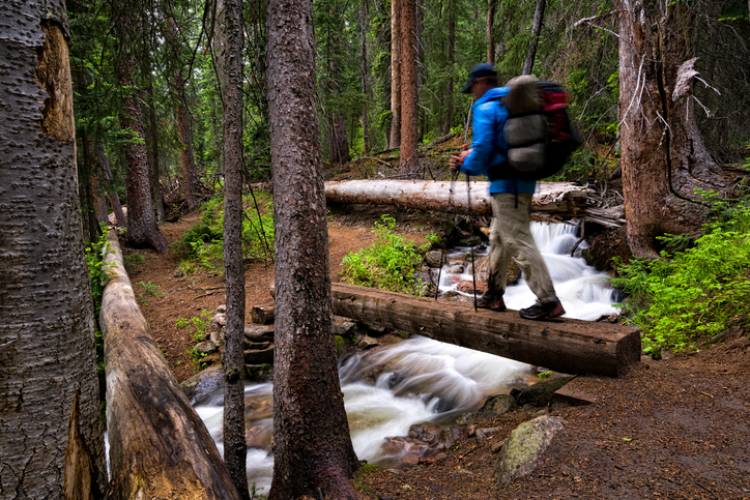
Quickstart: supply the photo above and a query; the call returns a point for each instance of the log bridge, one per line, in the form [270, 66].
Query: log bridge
[568, 346]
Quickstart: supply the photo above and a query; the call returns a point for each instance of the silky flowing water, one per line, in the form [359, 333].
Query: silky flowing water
[388, 390]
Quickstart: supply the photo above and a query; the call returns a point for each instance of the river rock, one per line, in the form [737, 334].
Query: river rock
[498, 405]
[367, 342]
[216, 335]
[434, 258]
[259, 356]
[259, 333]
[343, 327]
[262, 315]
[220, 319]
[222, 308]
[200, 387]
[525, 446]
[206, 347]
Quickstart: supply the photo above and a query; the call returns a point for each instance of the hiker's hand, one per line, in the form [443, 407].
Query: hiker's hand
[457, 160]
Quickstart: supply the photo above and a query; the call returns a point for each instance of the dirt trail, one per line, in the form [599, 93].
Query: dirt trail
[185, 296]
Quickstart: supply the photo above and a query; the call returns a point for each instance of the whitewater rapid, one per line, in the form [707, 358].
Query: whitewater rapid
[388, 390]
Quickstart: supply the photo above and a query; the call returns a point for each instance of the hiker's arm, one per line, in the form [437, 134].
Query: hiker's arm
[482, 146]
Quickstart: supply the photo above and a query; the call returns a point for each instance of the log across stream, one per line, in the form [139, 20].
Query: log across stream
[389, 390]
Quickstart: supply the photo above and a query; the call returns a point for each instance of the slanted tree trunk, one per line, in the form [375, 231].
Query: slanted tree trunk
[50, 431]
[142, 227]
[663, 157]
[230, 38]
[313, 453]
[536, 30]
[394, 138]
[409, 160]
[447, 122]
[114, 198]
[159, 448]
[490, 35]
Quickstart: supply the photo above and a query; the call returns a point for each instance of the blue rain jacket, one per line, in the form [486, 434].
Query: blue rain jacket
[488, 146]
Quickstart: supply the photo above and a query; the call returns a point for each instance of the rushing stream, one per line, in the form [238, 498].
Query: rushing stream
[388, 390]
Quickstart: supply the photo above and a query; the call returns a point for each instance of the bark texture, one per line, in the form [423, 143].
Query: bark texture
[663, 156]
[394, 137]
[536, 30]
[142, 227]
[409, 160]
[159, 447]
[231, 40]
[312, 449]
[50, 433]
[569, 346]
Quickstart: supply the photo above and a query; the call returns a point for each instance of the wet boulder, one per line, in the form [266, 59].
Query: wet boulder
[200, 387]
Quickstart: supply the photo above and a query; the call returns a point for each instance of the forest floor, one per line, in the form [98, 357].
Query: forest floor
[676, 428]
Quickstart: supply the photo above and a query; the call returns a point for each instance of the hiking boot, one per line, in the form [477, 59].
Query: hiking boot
[542, 312]
[492, 301]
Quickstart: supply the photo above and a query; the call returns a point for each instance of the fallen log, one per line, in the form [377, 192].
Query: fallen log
[567, 346]
[558, 198]
[159, 447]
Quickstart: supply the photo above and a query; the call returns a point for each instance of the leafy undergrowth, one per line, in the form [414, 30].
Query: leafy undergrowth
[203, 245]
[392, 262]
[696, 290]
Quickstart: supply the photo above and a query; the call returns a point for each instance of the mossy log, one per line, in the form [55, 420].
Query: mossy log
[159, 447]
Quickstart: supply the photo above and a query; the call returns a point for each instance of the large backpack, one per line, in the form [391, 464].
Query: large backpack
[539, 133]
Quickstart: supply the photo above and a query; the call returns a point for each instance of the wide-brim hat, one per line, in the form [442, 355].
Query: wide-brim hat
[484, 70]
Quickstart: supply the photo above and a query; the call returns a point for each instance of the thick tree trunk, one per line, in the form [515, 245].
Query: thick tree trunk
[561, 198]
[142, 227]
[536, 31]
[231, 40]
[490, 34]
[663, 156]
[313, 453]
[159, 447]
[394, 138]
[409, 160]
[569, 346]
[50, 431]
[114, 198]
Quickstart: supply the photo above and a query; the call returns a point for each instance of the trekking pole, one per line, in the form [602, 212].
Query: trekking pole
[471, 251]
[454, 176]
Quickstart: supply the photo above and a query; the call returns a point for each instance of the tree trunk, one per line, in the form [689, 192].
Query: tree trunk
[50, 429]
[142, 227]
[490, 36]
[409, 161]
[364, 22]
[561, 198]
[231, 40]
[451, 59]
[569, 346]
[153, 152]
[394, 138]
[313, 454]
[159, 447]
[189, 187]
[86, 173]
[663, 156]
[536, 30]
[114, 198]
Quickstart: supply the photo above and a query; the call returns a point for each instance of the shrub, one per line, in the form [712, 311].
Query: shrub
[391, 263]
[203, 244]
[693, 292]
[198, 324]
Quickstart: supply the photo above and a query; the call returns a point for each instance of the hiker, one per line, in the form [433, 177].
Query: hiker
[510, 232]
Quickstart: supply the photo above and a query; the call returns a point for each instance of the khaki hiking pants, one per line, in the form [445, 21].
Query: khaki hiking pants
[510, 238]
